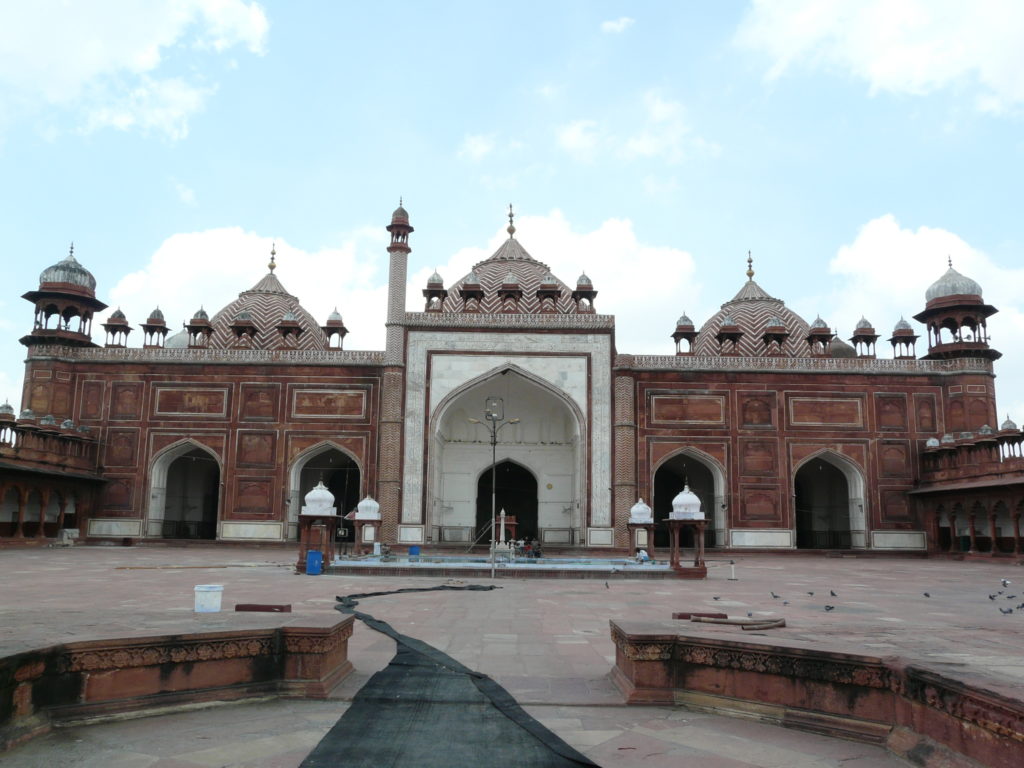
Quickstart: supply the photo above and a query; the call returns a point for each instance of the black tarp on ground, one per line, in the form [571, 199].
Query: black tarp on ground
[429, 711]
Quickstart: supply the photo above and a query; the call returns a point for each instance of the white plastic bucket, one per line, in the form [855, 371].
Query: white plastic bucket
[208, 597]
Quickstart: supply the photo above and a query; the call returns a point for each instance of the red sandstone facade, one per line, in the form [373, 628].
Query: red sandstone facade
[790, 437]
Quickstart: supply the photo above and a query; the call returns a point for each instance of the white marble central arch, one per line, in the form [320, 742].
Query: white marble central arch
[158, 482]
[549, 441]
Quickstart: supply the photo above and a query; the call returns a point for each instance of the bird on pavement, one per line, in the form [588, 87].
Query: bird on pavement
[1006, 610]
[830, 607]
[833, 593]
[926, 594]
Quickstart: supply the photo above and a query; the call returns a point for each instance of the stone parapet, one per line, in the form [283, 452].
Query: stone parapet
[917, 713]
[844, 365]
[333, 357]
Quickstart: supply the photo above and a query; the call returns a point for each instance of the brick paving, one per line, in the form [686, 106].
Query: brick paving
[546, 641]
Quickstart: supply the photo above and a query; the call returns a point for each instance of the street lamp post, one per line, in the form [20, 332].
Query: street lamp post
[494, 415]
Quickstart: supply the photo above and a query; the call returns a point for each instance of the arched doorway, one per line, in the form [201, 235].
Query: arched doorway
[340, 473]
[669, 479]
[184, 498]
[193, 490]
[822, 496]
[515, 492]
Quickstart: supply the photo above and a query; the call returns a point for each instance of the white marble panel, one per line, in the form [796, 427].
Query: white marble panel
[115, 527]
[898, 540]
[782, 538]
[600, 537]
[251, 530]
[410, 534]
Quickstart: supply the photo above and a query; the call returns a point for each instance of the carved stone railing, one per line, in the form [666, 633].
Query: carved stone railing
[208, 356]
[554, 322]
[886, 700]
[846, 365]
[35, 448]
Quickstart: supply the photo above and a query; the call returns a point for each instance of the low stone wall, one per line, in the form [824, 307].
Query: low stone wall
[85, 680]
[921, 715]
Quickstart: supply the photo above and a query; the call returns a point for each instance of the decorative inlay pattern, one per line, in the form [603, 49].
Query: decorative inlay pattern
[208, 356]
[848, 365]
[480, 320]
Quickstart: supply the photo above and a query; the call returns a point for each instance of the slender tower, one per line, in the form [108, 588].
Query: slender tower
[392, 410]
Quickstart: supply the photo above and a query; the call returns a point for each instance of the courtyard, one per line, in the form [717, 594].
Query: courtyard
[546, 641]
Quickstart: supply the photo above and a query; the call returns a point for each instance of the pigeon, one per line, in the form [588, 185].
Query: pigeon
[774, 596]
[1011, 597]
[785, 602]
[749, 614]
[715, 597]
[833, 593]
[926, 594]
[1020, 607]
[606, 585]
[830, 607]
[1006, 610]
[1006, 582]
[992, 597]
[811, 594]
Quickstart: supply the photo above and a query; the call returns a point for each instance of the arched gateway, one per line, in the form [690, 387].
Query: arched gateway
[539, 460]
[828, 493]
[184, 499]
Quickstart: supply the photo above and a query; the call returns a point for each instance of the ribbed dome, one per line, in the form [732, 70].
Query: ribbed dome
[200, 315]
[435, 279]
[68, 272]
[952, 284]
[264, 305]
[640, 513]
[819, 324]
[686, 506]
[334, 317]
[511, 262]
[400, 216]
[584, 280]
[117, 316]
[863, 323]
[1008, 424]
[684, 321]
[902, 325]
[156, 314]
[753, 310]
[6, 409]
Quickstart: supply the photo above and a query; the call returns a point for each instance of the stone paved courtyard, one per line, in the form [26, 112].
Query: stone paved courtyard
[545, 640]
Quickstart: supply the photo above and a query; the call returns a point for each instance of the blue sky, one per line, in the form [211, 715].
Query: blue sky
[852, 146]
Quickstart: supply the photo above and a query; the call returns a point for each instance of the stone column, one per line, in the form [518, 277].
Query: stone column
[44, 503]
[954, 540]
[1016, 533]
[624, 480]
[992, 533]
[19, 529]
[974, 534]
[673, 557]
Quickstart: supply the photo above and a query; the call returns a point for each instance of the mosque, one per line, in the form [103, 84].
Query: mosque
[506, 391]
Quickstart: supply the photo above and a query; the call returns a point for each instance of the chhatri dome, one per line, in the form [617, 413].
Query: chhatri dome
[69, 276]
[752, 310]
[952, 283]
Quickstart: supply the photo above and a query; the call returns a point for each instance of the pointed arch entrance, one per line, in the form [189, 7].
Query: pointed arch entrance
[184, 493]
[515, 492]
[672, 475]
[828, 494]
[338, 470]
[545, 443]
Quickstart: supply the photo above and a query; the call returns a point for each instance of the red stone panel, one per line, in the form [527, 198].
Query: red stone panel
[757, 410]
[252, 498]
[891, 412]
[122, 447]
[924, 407]
[190, 402]
[259, 402]
[758, 457]
[256, 448]
[688, 409]
[91, 406]
[895, 506]
[894, 459]
[118, 493]
[830, 411]
[126, 400]
[760, 505]
[328, 403]
[60, 405]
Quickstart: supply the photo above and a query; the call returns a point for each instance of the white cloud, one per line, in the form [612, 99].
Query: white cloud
[579, 138]
[663, 133]
[212, 267]
[615, 259]
[886, 270]
[617, 26]
[477, 147]
[186, 194]
[897, 46]
[103, 59]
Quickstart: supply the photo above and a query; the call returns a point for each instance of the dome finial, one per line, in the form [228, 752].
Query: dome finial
[949, 260]
[511, 226]
[750, 266]
[273, 256]
[71, 250]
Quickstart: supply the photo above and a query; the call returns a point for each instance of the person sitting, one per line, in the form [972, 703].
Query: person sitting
[642, 556]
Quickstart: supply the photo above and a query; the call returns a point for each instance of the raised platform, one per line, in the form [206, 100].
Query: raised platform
[928, 717]
[85, 680]
[453, 566]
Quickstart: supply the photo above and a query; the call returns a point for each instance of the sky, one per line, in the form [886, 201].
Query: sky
[851, 146]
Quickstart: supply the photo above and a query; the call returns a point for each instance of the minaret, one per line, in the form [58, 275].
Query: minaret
[392, 409]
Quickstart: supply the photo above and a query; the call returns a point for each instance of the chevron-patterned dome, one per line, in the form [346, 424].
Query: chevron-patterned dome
[264, 305]
[753, 310]
[528, 273]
